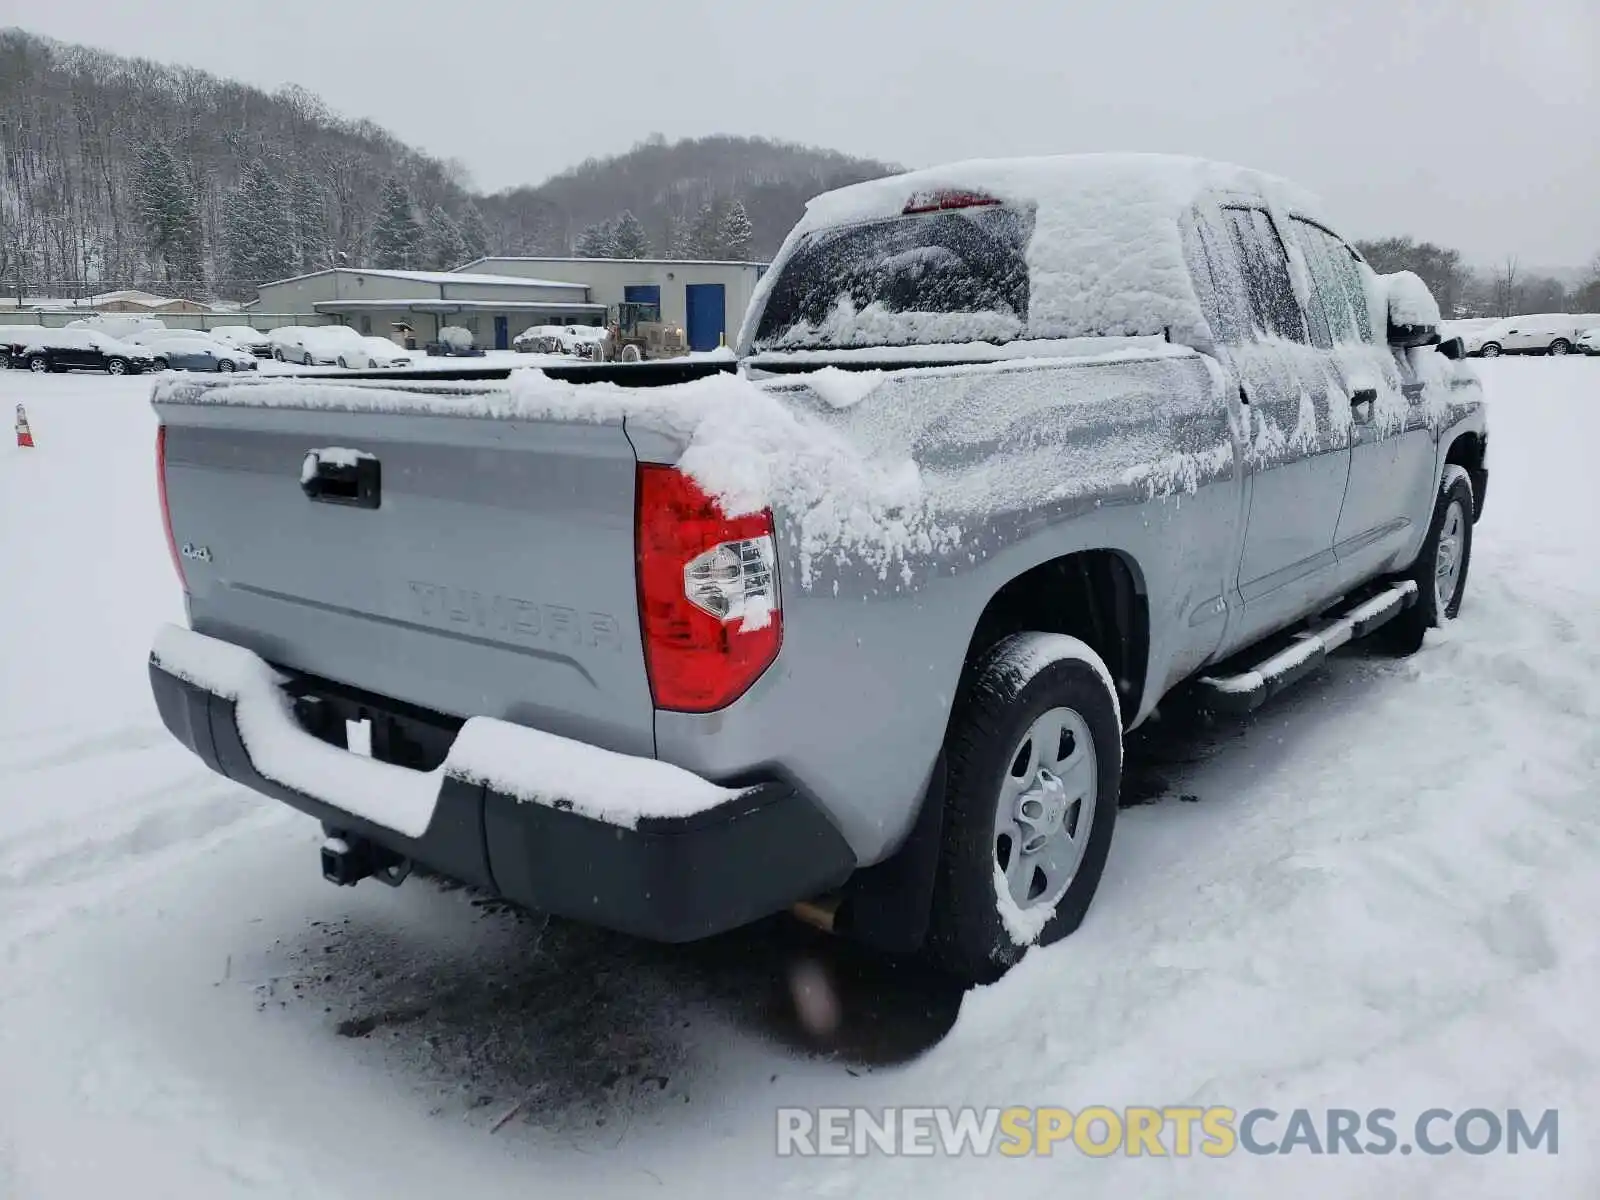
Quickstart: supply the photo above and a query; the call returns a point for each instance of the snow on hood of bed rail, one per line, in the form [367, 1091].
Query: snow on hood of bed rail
[1107, 254]
[900, 469]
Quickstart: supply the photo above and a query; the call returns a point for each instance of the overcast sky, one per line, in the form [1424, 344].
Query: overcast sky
[1475, 123]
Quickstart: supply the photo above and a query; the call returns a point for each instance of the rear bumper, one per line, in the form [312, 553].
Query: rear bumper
[668, 878]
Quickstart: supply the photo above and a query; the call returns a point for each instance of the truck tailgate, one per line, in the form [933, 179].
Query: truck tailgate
[493, 576]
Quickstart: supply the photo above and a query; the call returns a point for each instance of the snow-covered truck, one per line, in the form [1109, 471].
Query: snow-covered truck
[855, 624]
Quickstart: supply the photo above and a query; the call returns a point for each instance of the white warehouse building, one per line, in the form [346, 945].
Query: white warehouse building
[497, 298]
[494, 307]
[707, 298]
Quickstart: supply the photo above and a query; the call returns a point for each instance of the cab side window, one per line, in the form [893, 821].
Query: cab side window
[1273, 308]
[1336, 278]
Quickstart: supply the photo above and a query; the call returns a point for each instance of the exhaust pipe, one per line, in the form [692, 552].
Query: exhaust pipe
[346, 861]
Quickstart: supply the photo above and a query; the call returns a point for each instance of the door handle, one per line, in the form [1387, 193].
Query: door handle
[342, 478]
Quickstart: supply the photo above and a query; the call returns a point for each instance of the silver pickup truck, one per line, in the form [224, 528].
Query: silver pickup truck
[853, 622]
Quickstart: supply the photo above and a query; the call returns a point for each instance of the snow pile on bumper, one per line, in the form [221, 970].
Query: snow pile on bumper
[524, 763]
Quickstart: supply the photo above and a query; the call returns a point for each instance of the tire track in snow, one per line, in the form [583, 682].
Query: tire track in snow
[69, 853]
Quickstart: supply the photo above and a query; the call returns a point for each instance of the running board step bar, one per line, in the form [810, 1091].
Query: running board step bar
[1248, 690]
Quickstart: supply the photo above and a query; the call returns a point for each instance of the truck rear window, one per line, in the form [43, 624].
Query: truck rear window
[934, 277]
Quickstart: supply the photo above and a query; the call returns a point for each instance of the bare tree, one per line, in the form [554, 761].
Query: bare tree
[1505, 287]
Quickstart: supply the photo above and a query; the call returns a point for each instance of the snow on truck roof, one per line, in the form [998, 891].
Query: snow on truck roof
[1107, 254]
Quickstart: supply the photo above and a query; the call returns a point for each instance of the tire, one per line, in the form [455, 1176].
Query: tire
[1490, 350]
[162, 364]
[343, 364]
[116, 366]
[632, 354]
[1440, 571]
[1006, 717]
[225, 365]
[277, 353]
[38, 364]
[1560, 346]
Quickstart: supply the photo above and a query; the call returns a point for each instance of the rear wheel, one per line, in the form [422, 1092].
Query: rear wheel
[225, 366]
[1560, 346]
[632, 354]
[38, 364]
[277, 354]
[117, 367]
[1035, 768]
[342, 363]
[1490, 350]
[160, 364]
[1440, 571]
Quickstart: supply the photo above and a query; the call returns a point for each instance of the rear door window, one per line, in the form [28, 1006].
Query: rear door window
[1273, 307]
[918, 279]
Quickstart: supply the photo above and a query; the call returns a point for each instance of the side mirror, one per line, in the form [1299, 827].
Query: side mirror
[1453, 348]
[1407, 337]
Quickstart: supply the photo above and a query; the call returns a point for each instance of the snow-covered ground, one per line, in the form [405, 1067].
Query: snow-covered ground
[1381, 892]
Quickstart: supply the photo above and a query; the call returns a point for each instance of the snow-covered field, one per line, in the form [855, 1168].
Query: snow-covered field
[1381, 892]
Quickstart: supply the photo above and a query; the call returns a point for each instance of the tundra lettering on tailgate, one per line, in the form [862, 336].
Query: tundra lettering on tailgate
[443, 604]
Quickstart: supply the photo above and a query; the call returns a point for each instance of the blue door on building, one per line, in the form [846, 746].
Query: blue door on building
[707, 306]
[643, 293]
[502, 334]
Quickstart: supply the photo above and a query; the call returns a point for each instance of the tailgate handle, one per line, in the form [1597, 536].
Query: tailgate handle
[338, 476]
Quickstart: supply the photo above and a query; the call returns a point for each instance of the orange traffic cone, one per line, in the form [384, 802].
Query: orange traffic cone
[24, 434]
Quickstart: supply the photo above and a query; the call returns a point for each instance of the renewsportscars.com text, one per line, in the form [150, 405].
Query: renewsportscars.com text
[1171, 1131]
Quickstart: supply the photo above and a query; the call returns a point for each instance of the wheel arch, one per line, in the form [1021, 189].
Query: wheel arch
[1096, 595]
[1468, 450]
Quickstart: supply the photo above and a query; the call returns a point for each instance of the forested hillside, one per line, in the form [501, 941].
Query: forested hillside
[712, 197]
[118, 172]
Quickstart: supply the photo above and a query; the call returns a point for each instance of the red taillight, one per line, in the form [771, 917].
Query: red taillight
[944, 200]
[166, 509]
[708, 594]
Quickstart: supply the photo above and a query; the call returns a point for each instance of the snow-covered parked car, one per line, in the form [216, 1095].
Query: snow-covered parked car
[79, 349]
[12, 339]
[375, 354]
[557, 339]
[1537, 333]
[191, 350]
[244, 337]
[286, 342]
[317, 345]
[856, 624]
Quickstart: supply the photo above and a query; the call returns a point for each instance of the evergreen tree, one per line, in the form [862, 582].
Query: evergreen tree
[705, 235]
[395, 238]
[474, 232]
[257, 234]
[678, 236]
[597, 241]
[309, 216]
[629, 239]
[168, 214]
[734, 231]
[444, 247]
